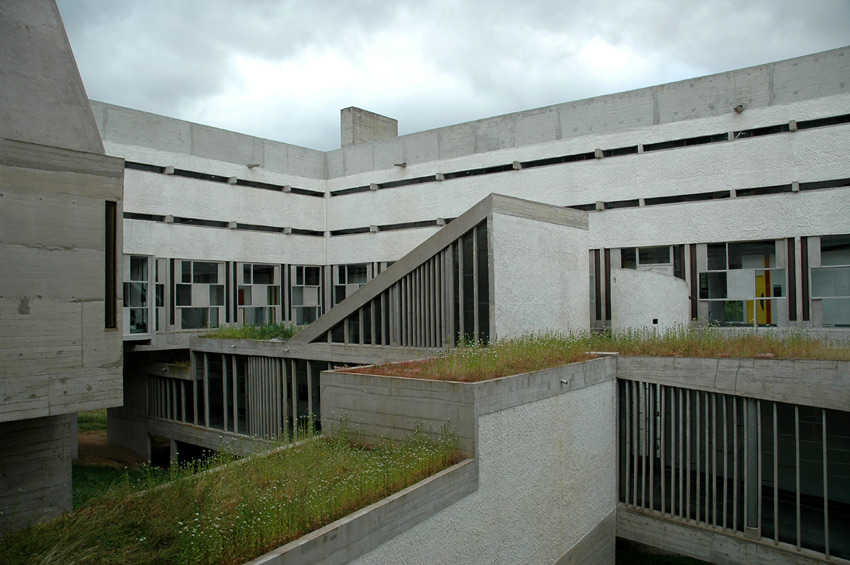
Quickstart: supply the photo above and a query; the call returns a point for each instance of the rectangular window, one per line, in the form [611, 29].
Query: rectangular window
[186, 270]
[110, 251]
[263, 274]
[273, 295]
[184, 295]
[246, 274]
[205, 273]
[194, 318]
[654, 256]
[244, 294]
[217, 295]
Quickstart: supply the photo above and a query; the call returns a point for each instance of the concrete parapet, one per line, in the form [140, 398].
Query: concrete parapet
[820, 383]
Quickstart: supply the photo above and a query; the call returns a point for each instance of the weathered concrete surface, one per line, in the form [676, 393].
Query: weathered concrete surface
[703, 543]
[360, 126]
[35, 470]
[44, 100]
[597, 547]
[644, 299]
[824, 384]
[350, 537]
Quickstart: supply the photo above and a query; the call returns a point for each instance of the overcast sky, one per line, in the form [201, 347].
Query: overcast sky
[283, 69]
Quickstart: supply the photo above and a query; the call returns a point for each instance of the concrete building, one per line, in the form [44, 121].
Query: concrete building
[722, 199]
[60, 251]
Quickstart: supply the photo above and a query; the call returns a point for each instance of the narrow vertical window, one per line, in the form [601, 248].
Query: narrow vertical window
[110, 278]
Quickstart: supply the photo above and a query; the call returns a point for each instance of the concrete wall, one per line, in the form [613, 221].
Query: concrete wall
[546, 479]
[763, 86]
[35, 470]
[545, 446]
[359, 126]
[644, 299]
[44, 101]
[539, 276]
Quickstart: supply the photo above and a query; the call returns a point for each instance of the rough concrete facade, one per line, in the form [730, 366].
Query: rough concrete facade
[60, 228]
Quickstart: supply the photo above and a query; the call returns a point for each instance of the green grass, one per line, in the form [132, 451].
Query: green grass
[236, 511]
[92, 421]
[474, 362]
[92, 481]
[263, 332]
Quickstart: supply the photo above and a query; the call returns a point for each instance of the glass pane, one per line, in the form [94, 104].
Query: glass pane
[752, 254]
[716, 256]
[654, 256]
[263, 274]
[138, 320]
[138, 268]
[357, 274]
[194, 318]
[217, 295]
[138, 294]
[205, 273]
[836, 312]
[483, 284]
[770, 283]
[186, 269]
[184, 295]
[835, 250]
[339, 294]
[214, 314]
[730, 312]
[628, 258]
[297, 296]
[273, 295]
[340, 274]
[712, 285]
[311, 276]
[299, 275]
[246, 274]
[244, 295]
[831, 281]
[354, 328]
[468, 287]
[160, 295]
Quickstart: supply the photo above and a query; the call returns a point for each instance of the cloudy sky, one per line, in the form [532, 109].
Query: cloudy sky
[283, 69]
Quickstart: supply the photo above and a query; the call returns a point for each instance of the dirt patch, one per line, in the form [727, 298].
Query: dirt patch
[93, 450]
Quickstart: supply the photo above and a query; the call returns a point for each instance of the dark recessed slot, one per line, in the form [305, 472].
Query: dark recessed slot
[622, 204]
[475, 172]
[349, 231]
[148, 217]
[718, 195]
[199, 222]
[408, 225]
[831, 121]
[255, 227]
[687, 142]
[255, 184]
[306, 192]
[199, 176]
[314, 233]
[834, 183]
[143, 167]
[584, 207]
[762, 190]
[406, 182]
[620, 151]
[356, 189]
[756, 132]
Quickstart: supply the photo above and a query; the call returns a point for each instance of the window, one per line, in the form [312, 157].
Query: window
[831, 281]
[199, 297]
[742, 284]
[258, 294]
[110, 251]
[136, 292]
[306, 294]
[348, 279]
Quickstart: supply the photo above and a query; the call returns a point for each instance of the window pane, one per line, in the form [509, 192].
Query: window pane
[752, 255]
[263, 274]
[205, 273]
[835, 250]
[340, 274]
[628, 258]
[138, 268]
[186, 269]
[339, 294]
[357, 274]
[246, 274]
[217, 295]
[712, 285]
[716, 256]
[138, 320]
[194, 318]
[273, 295]
[836, 312]
[654, 256]
[184, 295]
[297, 295]
[138, 294]
[244, 296]
[311, 276]
[829, 282]
[730, 312]
[160, 295]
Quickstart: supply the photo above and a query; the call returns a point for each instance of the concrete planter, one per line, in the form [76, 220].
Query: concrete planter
[378, 405]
